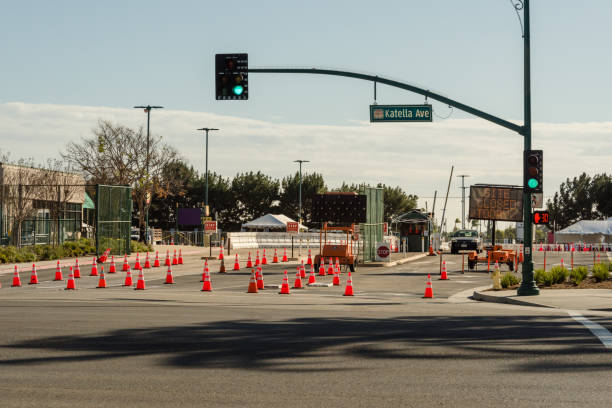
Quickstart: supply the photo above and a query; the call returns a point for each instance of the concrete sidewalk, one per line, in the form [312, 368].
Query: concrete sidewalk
[579, 299]
[398, 259]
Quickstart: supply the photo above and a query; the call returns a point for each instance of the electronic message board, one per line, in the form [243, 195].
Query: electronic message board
[498, 203]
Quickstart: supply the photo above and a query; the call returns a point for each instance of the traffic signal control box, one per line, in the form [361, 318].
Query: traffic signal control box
[232, 76]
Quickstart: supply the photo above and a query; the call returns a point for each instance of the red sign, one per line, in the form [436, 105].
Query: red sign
[292, 226]
[210, 226]
[540, 217]
[385, 228]
[383, 251]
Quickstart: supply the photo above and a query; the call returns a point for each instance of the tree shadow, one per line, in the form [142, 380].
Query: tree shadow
[265, 345]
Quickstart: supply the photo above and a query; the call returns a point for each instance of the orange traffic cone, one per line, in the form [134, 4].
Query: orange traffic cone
[249, 262]
[58, 272]
[112, 268]
[264, 261]
[206, 287]
[180, 258]
[285, 286]
[275, 259]
[257, 259]
[167, 262]
[102, 281]
[70, 285]
[137, 265]
[34, 276]
[16, 279]
[348, 291]
[302, 271]
[236, 263]
[252, 283]
[285, 255]
[428, 288]
[221, 253]
[298, 279]
[330, 268]
[147, 264]
[443, 275]
[94, 268]
[126, 265]
[156, 262]
[259, 277]
[322, 268]
[205, 271]
[77, 270]
[309, 260]
[169, 278]
[140, 285]
[128, 278]
[431, 251]
[311, 277]
[174, 260]
[336, 280]
[222, 266]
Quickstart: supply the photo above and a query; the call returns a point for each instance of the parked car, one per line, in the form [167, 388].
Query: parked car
[465, 240]
[135, 234]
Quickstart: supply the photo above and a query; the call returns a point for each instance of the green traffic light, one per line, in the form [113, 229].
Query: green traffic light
[532, 183]
[238, 90]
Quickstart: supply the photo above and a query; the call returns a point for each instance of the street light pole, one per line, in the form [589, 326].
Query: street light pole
[463, 176]
[206, 191]
[147, 109]
[300, 199]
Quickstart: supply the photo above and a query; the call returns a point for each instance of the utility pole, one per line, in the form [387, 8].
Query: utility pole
[463, 176]
[300, 195]
[206, 209]
[147, 109]
[446, 200]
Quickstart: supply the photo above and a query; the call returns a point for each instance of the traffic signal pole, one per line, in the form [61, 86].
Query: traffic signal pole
[528, 286]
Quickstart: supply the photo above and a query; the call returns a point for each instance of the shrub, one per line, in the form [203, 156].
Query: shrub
[508, 279]
[578, 274]
[600, 272]
[559, 274]
[137, 246]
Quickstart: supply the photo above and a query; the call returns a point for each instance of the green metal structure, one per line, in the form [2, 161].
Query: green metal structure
[371, 232]
[113, 219]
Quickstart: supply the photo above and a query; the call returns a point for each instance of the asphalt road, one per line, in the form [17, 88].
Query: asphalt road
[172, 345]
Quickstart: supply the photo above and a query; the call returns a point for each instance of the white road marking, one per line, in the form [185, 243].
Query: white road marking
[598, 330]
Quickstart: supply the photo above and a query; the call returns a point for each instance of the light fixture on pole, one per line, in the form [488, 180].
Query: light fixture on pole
[300, 199]
[463, 176]
[206, 208]
[147, 110]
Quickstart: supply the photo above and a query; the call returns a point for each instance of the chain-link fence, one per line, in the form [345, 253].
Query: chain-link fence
[113, 218]
[371, 232]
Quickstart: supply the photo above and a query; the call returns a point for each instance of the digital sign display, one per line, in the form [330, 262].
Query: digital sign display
[499, 203]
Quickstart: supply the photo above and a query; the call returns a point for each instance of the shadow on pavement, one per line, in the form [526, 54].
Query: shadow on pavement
[283, 345]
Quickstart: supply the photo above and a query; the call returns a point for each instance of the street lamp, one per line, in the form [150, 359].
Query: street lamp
[147, 109]
[300, 199]
[463, 176]
[206, 191]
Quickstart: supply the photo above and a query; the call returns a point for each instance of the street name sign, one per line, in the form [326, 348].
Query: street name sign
[400, 113]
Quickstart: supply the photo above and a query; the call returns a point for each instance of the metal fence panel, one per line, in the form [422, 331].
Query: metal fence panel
[372, 231]
[113, 219]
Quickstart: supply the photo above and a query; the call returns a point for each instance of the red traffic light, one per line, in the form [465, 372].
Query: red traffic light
[540, 217]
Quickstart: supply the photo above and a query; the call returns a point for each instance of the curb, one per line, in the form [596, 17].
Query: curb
[395, 263]
[503, 299]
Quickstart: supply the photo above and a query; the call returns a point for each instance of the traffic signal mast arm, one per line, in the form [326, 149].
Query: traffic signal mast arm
[476, 112]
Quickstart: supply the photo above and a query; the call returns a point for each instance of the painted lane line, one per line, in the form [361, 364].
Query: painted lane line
[598, 330]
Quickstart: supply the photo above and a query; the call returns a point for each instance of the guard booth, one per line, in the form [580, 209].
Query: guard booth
[414, 228]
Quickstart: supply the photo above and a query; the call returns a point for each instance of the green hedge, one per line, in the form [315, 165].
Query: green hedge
[508, 279]
[11, 254]
[601, 272]
[578, 274]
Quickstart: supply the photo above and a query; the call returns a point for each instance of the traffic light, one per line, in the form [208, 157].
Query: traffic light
[540, 217]
[533, 172]
[232, 76]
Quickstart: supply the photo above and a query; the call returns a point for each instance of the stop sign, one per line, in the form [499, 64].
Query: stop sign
[383, 251]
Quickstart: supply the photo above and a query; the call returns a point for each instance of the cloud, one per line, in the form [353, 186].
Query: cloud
[416, 157]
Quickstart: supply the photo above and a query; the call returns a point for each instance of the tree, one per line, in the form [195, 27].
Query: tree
[312, 184]
[396, 202]
[254, 195]
[118, 155]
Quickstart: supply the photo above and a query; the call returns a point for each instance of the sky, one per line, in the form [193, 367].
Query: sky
[67, 64]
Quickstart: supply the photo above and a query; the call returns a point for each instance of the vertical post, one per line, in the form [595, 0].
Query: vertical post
[146, 234]
[206, 191]
[528, 286]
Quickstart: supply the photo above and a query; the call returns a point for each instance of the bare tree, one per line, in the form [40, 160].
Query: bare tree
[118, 155]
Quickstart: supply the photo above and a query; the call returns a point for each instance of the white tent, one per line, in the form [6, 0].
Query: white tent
[589, 231]
[270, 222]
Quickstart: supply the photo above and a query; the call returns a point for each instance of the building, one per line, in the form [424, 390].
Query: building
[39, 206]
